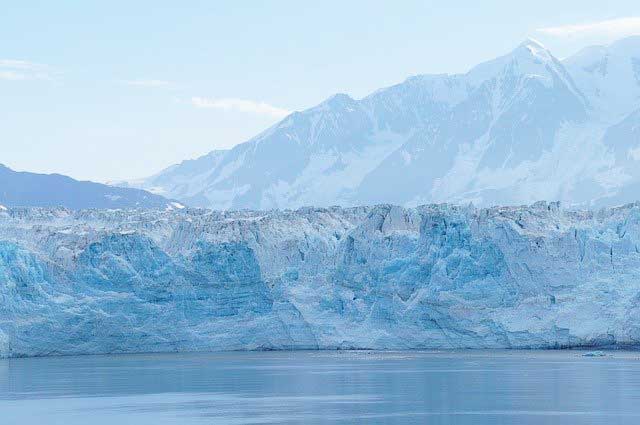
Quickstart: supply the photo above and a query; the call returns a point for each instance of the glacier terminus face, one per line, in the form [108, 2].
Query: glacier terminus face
[381, 277]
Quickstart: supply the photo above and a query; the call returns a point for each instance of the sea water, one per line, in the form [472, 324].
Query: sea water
[324, 387]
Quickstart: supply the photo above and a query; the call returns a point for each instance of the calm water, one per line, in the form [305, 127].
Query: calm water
[513, 387]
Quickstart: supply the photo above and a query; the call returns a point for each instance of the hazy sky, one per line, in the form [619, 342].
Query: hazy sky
[113, 90]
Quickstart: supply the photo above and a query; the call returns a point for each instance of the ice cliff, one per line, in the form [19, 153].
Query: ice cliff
[381, 277]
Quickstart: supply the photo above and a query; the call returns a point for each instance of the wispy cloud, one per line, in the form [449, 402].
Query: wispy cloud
[240, 105]
[18, 70]
[147, 83]
[620, 27]
[11, 75]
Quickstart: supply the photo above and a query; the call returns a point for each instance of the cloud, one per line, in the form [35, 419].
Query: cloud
[18, 64]
[18, 70]
[147, 83]
[11, 75]
[620, 27]
[240, 105]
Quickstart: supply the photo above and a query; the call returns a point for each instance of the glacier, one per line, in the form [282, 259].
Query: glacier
[380, 277]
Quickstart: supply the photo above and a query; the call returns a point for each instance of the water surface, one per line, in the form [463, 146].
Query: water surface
[470, 387]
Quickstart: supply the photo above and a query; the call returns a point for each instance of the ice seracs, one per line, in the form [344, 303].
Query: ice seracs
[381, 277]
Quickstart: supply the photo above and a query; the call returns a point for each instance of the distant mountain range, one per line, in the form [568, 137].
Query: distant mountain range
[517, 129]
[22, 189]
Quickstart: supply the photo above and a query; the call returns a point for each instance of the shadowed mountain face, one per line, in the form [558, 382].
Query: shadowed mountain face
[51, 190]
[517, 129]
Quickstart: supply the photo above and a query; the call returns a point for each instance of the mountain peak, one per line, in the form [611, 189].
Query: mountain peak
[529, 58]
[339, 99]
[532, 43]
[629, 46]
[531, 48]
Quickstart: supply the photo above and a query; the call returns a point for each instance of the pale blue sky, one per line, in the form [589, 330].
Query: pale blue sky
[120, 89]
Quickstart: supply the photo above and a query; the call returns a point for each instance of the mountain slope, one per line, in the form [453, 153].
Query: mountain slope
[50, 190]
[183, 180]
[514, 107]
[517, 129]
[610, 77]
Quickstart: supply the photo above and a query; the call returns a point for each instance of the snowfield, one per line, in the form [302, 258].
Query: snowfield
[383, 277]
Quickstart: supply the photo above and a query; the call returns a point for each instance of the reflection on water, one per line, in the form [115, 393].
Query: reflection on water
[503, 387]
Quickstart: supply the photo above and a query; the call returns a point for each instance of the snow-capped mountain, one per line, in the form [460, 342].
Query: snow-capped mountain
[52, 190]
[517, 129]
[610, 77]
[182, 180]
[383, 277]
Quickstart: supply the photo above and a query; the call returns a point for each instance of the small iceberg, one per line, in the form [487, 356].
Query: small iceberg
[594, 354]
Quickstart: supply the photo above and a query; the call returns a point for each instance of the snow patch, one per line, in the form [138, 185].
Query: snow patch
[635, 154]
[174, 206]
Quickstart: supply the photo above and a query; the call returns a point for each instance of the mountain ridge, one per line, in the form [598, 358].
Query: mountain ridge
[21, 188]
[504, 132]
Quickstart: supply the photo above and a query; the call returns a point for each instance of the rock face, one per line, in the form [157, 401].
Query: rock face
[515, 130]
[373, 277]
